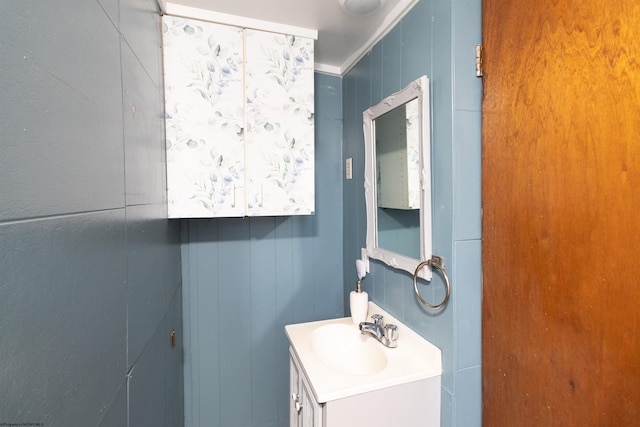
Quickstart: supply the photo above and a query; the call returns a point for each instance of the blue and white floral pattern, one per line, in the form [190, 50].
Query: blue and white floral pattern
[203, 79]
[280, 124]
[234, 156]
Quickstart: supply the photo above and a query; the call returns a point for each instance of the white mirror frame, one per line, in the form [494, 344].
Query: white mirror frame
[417, 89]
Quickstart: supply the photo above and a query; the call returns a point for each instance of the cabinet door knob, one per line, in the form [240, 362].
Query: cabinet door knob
[296, 398]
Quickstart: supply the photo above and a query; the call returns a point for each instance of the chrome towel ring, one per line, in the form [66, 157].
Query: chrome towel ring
[436, 262]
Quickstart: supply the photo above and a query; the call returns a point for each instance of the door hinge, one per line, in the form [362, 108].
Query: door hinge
[479, 60]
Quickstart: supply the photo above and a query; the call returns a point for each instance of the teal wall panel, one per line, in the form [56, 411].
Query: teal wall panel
[391, 61]
[116, 414]
[246, 278]
[62, 317]
[436, 38]
[155, 382]
[66, 96]
[417, 42]
[143, 108]
[89, 265]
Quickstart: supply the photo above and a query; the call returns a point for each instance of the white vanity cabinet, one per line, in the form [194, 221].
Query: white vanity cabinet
[412, 404]
[342, 378]
[239, 120]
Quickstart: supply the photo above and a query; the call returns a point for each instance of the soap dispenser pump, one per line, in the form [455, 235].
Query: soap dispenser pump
[358, 299]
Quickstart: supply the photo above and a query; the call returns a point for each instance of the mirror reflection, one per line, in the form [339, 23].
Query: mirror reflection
[397, 178]
[397, 148]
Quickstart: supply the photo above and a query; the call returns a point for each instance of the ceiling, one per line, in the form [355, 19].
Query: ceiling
[342, 38]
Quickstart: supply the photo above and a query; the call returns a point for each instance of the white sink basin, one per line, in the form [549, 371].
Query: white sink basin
[341, 362]
[343, 348]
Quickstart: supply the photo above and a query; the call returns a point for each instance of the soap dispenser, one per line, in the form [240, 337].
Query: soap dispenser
[358, 299]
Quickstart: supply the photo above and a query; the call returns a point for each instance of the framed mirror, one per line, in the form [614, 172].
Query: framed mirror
[398, 179]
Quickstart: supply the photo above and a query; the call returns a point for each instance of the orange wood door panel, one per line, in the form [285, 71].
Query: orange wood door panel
[561, 213]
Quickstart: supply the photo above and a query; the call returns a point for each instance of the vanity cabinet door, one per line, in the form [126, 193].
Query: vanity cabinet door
[294, 389]
[311, 410]
[304, 410]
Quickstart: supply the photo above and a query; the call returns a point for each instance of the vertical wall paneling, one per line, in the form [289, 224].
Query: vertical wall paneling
[235, 320]
[352, 189]
[263, 303]
[285, 291]
[437, 39]
[328, 223]
[90, 269]
[202, 339]
[246, 278]
[392, 61]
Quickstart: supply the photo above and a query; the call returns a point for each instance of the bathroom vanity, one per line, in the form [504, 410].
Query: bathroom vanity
[342, 378]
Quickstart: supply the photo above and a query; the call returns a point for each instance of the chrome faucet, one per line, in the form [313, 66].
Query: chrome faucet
[386, 334]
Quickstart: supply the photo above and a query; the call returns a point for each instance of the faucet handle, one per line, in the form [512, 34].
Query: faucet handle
[377, 319]
[391, 332]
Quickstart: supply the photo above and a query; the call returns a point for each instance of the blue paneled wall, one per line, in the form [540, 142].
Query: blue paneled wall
[89, 266]
[436, 38]
[245, 279]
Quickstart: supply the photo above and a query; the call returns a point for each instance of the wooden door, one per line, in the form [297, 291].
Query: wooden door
[561, 213]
